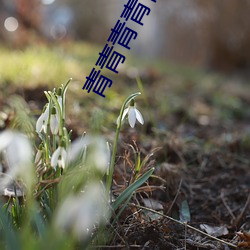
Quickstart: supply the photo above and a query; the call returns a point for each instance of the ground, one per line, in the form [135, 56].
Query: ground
[197, 123]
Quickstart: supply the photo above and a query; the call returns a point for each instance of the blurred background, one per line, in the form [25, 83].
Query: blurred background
[212, 34]
[193, 60]
[188, 53]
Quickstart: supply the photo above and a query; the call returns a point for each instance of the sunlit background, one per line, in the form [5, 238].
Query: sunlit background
[190, 61]
[212, 34]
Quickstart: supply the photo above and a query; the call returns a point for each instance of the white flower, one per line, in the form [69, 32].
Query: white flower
[133, 114]
[54, 124]
[39, 154]
[42, 122]
[98, 152]
[17, 152]
[59, 157]
[59, 99]
[79, 214]
[54, 121]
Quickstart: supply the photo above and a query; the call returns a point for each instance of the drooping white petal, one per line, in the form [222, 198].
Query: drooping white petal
[39, 123]
[61, 163]
[63, 158]
[59, 99]
[18, 156]
[101, 154]
[55, 156]
[19, 151]
[59, 158]
[123, 115]
[68, 211]
[64, 154]
[98, 152]
[133, 114]
[77, 148]
[46, 113]
[38, 156]
[117, 120]
[125, 112]
[5, 139]
[44, 127]
[132, 117]
[54, 124]
[139, 116]
[78, 214]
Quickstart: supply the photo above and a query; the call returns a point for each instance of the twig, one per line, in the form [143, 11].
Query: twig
[185, 242]
[227, 207]
[117, 246]
[184, 224]
[175, 198]
[239, 217]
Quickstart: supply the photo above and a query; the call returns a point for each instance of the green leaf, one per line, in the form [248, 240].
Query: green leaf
[39, 222]
[10, 236]
[185, 212]
[65, 87]
[138, 163]
[122, 209]
[129, 190]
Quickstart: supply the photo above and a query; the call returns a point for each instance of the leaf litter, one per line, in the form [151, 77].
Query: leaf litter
[201, 178]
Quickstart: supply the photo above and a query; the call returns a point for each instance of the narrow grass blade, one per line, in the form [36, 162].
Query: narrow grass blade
[128, 191]
[10, 236]
[122, 209]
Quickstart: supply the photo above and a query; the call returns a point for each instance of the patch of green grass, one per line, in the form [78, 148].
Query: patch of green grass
[173, 89]
[37, 65]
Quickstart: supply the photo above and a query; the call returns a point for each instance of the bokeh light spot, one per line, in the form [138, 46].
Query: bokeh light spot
[11, 24]
[47, 2]
[58, 31]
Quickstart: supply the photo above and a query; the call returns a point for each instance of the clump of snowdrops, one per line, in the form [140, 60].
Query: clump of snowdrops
[61, 190]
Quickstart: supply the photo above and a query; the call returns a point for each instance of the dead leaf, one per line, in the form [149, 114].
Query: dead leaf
[245, 236]
[155, 205]
[183, 208]
[215, 231]
[152, 204]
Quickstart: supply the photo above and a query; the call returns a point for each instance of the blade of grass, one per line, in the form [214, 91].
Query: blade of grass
[11, 239]
[122, 209]
[128, 191]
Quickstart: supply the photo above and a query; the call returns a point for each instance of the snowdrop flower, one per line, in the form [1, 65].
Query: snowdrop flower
[59, 157]
[39, 154]
[17, 152]
[42, 122]
[79, 214]
[133, 114]
[54, 121]
[98, 152]
[59, 97]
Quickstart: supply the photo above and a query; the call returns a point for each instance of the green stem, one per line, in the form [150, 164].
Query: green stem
[59, 111]
[112, 164]
[63, 101]
[47, 141]
[54, 142]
